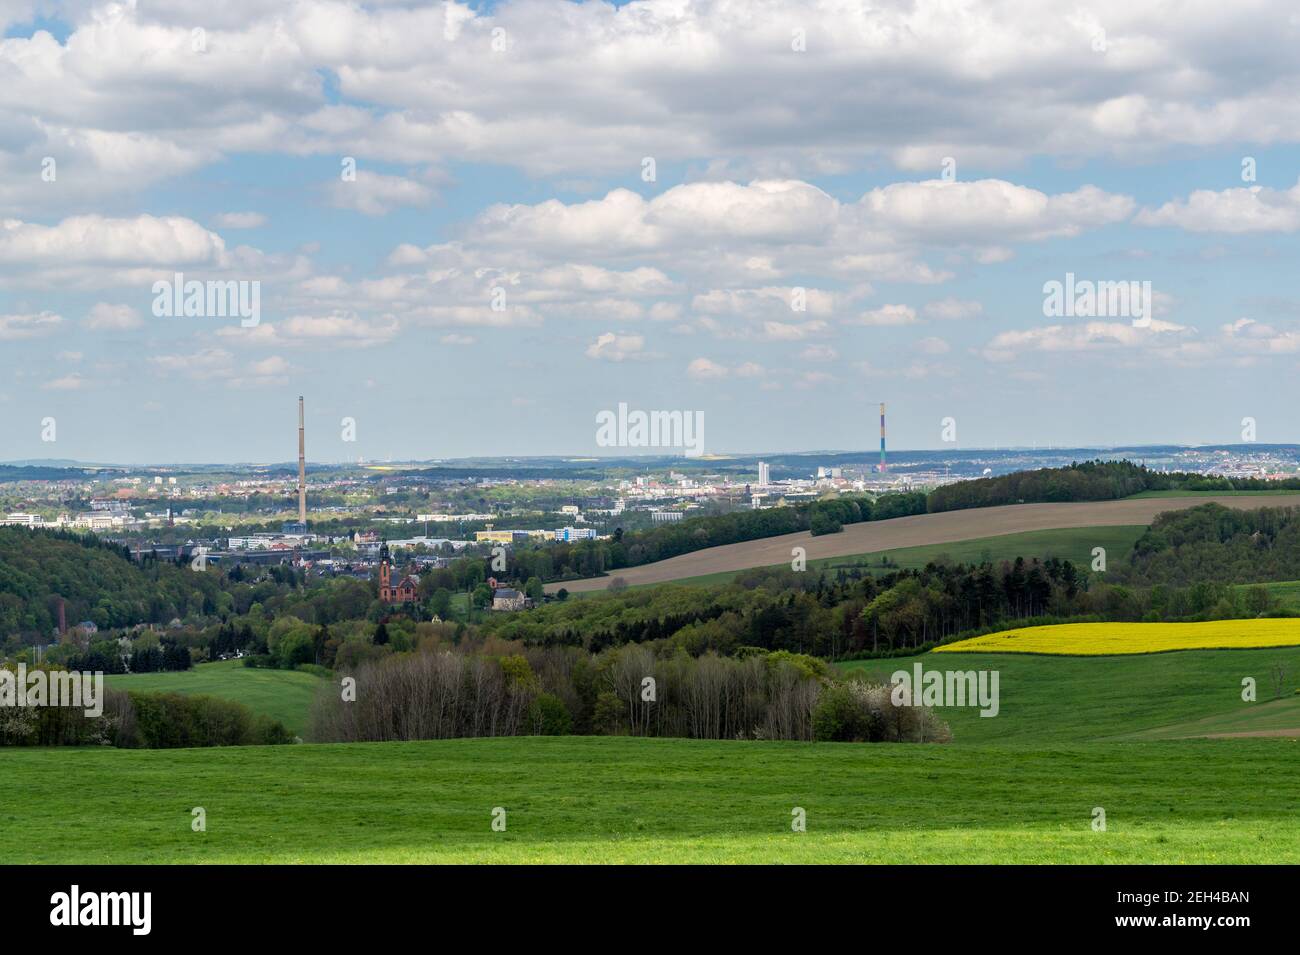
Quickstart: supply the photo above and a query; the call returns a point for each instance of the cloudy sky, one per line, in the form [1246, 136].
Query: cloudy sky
[476, 226]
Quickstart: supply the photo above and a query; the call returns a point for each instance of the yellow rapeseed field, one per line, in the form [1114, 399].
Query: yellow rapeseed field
[1098, 639]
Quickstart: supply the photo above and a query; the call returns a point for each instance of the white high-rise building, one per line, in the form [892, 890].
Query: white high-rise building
[764, 472]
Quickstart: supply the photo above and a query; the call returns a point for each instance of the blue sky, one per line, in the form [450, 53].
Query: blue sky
[779, 172]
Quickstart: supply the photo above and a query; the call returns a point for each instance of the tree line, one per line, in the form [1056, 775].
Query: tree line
[440, 692]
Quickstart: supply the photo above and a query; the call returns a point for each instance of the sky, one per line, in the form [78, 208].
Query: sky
[472, 229]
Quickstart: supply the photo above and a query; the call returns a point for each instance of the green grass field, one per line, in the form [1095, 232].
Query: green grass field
[582, 800]
[1286, 592]
[1067, 543]
[284, 695]
[1072, 734]
[1046, 700]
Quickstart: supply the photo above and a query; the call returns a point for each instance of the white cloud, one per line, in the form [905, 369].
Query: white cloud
[1240, 210]
[274, 366]
[792, 331]
[118, 318]
[612, 347]
[819, 353]
[705, 369]
[239, 220]
[92, 239]
[887, 315]
[377, 194]
[1088, 337]
[952, 309]
[991, 210]
[29, 325]
[70, 382]
[583, 88]
[1249, 336]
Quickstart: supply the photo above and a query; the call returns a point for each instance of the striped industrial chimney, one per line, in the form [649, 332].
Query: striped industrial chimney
[302, 466]
[882, 437]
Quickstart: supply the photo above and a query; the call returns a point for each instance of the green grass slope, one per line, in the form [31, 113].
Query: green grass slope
[1052, 699]
[582, 800]
[284, 695]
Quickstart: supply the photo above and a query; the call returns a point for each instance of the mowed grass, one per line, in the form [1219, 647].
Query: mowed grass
[284, 695]
[1098, 639]
[1050, 700]
[596, 799]
[1066, 543]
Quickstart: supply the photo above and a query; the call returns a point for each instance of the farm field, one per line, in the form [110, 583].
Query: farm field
[1171, 494]
[1050, 700]
[582, 800]
[1067, 543]
[1101, 639]
[918, 530]
[284, 695]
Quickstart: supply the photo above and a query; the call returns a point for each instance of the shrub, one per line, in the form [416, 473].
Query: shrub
[548, 716]
[173, 720]
[843, 715]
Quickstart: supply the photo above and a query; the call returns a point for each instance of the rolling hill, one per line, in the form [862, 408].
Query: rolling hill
[915, 531]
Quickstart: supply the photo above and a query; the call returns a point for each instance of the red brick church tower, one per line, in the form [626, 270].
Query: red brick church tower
[385, 576]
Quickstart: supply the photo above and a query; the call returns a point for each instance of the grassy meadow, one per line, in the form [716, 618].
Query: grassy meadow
[1051, 700]
[284, 695]
[1073, 733]
[603, 799]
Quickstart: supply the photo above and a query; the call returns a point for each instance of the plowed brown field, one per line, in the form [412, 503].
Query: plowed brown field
[945, 528]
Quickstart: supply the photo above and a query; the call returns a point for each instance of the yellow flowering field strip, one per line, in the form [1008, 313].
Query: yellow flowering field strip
[1102, 639]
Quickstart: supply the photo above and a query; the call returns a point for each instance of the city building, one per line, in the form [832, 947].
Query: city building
[764, 474]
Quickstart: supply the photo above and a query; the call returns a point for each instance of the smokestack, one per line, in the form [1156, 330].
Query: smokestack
[302, 466]
[882, 437]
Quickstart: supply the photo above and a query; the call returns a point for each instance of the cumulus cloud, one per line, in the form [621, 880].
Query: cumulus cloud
[127, 95]
[612, 347]
[29, 325]
[952, 309]
[991, 210]
[239, 220]
[1240, 210]
[1248, 336]
[819, 353]
[377, 194]
[1086, 337]
[116, 318]
[94, 239]
[704, 369]
[887, 315]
